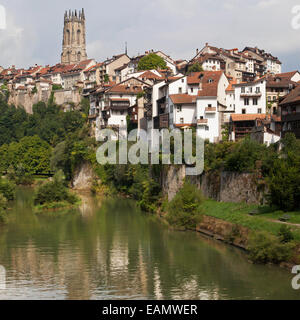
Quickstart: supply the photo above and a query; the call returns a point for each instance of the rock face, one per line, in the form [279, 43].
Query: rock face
[172, 180]
[83, 178]
[224, 186]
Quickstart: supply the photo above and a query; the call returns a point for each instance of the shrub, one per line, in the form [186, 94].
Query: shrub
[184, 209]
[7, 189]
[54, 191]
[264, 248]
[3, 204]
[285, 234]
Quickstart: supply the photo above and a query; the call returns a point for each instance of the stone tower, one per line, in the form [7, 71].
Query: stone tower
[74, 45]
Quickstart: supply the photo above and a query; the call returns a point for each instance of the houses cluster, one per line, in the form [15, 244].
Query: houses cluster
[238, 92]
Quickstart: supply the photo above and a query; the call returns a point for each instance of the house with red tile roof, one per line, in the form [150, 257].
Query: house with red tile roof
[110, 104]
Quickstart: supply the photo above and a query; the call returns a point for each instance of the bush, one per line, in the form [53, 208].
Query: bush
[7, 189]
[264, 248]
[184, 209]
[285, 234]
[3, 205]
[54, 191]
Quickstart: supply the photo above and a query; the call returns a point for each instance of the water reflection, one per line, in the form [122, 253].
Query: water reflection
[112, 251]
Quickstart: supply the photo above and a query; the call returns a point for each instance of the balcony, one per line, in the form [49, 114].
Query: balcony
[210, 110]
[202, 122]
[287, 117]
[250, 94]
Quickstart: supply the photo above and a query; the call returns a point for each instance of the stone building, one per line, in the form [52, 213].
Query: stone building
[74, 42]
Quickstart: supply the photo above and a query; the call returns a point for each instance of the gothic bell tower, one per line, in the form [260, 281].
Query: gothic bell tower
[74, 45]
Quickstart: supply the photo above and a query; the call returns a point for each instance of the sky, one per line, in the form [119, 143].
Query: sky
[34, 28]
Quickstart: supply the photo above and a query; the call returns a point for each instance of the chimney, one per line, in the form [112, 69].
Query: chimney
[206, 44]
[197, 51]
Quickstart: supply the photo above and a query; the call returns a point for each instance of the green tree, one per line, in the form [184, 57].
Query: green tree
[152, 61]
[196, 67]
[184, 210]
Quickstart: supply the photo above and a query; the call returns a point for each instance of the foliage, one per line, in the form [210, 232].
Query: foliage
[151, 61]
[264, 247]
[54, 191]
[243, 156]
[3, 206]
[184, 209]
[134, 180]
[48, 121]
[196, 67]
[56, 87]
[284, 176]
[7, 189]
[106, 78]
[31, 155]
[285, 234]
[19, 175]
[34, 90]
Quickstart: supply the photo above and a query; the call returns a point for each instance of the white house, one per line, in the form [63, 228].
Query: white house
[250, 98]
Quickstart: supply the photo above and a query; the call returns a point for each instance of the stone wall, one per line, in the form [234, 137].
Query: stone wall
[27, 100]
[224, 186]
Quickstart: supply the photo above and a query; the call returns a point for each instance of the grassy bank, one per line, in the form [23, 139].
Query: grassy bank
[240, 213]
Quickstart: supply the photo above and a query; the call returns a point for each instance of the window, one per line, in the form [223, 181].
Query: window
[243, 89]
[192, 90]
[179, 90]
[257, 90]
[179, 108]
[209, 105]
[206, 128]
[246, 101]
[254, 101]
[171, 108]
[269, 98]
[259, 110]
[274, 98]
[181, 120]
[243, 111]
[250, 89]
[182, 80]
[274, 110]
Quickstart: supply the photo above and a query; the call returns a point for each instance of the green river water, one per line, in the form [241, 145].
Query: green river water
[110, 250]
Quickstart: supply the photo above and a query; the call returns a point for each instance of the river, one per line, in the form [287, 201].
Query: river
[110, 250]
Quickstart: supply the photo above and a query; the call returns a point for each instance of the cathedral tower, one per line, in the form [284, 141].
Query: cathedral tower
[74, 45]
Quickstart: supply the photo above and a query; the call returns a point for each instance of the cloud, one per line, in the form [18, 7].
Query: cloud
[174, 26]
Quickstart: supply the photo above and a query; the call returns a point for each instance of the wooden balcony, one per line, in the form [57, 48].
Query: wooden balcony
[202, 122]
[210, 110]
[250, 94]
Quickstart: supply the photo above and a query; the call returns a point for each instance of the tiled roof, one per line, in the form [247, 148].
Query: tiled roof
[125, 89]
[247, 117]
[150, 75]
[183, 98]
[231, 83]
[292, 97]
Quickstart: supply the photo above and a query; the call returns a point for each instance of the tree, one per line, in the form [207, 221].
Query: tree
[196, 67]
[152, 61]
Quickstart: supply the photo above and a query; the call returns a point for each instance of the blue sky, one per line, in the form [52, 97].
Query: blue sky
[34, 28]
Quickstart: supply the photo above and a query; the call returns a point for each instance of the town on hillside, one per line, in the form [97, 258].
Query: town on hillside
[241, 92]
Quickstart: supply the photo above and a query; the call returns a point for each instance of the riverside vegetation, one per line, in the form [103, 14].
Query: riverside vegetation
[50, 140]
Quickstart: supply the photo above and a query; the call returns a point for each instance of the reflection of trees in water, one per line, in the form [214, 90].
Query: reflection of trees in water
[115, 251]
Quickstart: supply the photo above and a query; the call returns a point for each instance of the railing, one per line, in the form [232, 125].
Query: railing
[251, 94]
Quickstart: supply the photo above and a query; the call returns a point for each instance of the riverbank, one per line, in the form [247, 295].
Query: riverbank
[237, 224]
